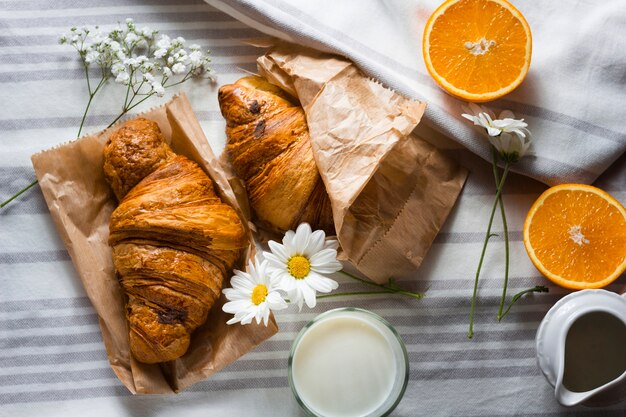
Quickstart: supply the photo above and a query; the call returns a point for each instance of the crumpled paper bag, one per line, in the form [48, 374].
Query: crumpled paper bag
[81, 203]
[390, 191]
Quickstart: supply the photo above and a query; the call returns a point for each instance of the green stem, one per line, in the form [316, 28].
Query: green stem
[87, 76]
[126, 110]
[538, 288]
[506, 236]
[385, 288]
[91, 96]
[488, 234]
[127, 91]
[19, 193]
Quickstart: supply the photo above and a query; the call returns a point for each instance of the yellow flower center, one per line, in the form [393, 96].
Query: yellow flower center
[259, 293]
[299, 266]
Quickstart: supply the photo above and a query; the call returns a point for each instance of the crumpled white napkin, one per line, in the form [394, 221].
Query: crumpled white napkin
[573, 97]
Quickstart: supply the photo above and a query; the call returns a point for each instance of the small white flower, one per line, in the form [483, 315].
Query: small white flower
[160, 53]
[167, 72]
[117, 68]
[195, 58]
[301, 263]
[158, 88]
[253, 295]
[131, 38]
[508, 135]
[122, 78]
[147, 32]
[164, 42]
[148, 77]
[91, 56]
[179, 68]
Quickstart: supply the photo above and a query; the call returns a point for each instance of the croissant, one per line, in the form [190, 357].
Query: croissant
[269, 148]
[173, 240]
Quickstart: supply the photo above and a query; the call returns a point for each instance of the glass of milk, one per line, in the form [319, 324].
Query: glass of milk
[348, 362]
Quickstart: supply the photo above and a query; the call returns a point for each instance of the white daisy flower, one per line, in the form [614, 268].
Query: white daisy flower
[301, 262]
[253, 296]
[508, 135]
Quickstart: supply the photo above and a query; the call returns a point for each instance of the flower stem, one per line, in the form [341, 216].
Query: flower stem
[506, 235]
[19, 193]
[488, 235]
[538, 288]
[91, 96]
[383, 288]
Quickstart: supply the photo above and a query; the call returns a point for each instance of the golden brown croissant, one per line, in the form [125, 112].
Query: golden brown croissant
[173, 240]
[269, 148]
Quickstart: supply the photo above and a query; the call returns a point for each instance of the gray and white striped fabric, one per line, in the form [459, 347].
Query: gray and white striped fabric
[572, 99]
[52, 360]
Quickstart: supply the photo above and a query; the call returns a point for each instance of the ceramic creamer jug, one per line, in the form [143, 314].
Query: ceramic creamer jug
[581, 346]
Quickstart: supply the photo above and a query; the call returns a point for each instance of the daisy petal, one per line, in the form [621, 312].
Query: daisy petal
[233, 307]
[301, 240]
[288, 238]
[316, 243]
[308, 294]
[331, 244]
[320, 283]
[242, 282]
[325, 262]
[275, 301]
[279, 251]
[295, 297]
[234, 295]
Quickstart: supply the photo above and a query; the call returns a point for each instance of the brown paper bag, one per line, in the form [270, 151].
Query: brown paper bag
[390, 191]
[81, 203]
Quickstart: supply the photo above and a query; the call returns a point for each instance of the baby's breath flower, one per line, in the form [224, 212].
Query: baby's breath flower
[158, 88]
[131, 38]
[164, 42]
[179, 68]
[91, 56]
[160, 53]
[195, 58]
[122, 78]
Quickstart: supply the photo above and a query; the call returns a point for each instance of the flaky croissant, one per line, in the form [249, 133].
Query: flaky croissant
[269, 149]
[173, 240]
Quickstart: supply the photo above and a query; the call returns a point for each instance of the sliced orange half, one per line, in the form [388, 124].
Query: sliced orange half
[477, 50]
[575, 235]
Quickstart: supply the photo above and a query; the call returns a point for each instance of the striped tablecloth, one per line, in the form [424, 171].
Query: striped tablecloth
[52, 360]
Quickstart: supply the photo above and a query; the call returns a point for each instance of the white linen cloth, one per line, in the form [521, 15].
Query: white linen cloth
[52, 359]
[573, 97]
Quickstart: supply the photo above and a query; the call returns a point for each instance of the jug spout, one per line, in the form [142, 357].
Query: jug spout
[569, 398]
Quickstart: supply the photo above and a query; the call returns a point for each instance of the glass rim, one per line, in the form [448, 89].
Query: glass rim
[316, 319]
